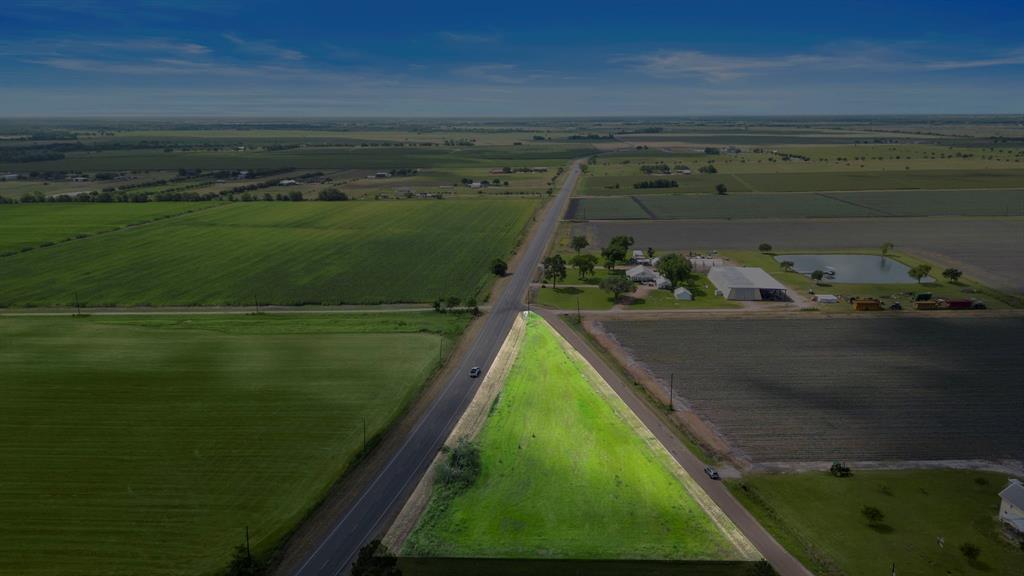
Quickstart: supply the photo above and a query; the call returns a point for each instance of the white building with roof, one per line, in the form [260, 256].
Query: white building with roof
[742, 283]
[1011, 509]
[682, 293]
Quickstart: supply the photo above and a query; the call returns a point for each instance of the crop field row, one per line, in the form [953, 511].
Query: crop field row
[32, 225]
[276, 253]
[146, 445]
[326, 158]
[989, 250]
[566, 473]
[737, 182]
[906, 203]
[821, 390]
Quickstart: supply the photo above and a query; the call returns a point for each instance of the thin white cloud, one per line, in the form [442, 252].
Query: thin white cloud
[722, 67]
[1014, 58]
[498, 73]
[714, 66]
[468, 37]
[262, 48]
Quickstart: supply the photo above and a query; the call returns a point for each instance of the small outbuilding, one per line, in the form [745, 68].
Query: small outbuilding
[682, 294]
[743, 283]
[1011, 510]
[827, 299]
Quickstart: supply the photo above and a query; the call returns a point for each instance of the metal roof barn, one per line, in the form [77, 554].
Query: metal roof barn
[741, 283]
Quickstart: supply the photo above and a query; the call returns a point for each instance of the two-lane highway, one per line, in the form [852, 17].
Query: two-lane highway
[389, 489]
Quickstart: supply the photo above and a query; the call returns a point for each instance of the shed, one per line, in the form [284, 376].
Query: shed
[1011, 508]
[682, 294]
[827, 299]
[744, 283]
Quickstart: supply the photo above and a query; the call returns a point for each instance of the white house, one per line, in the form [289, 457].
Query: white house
[642, 274]
[741, 283]
[287, 183]
[682, 294]
[648, 275]
[1011, 509]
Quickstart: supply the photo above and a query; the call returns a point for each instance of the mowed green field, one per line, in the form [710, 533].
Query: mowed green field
[279, 253]
[567, 474]
[817, 517]
[146, 445]
[866, 204]
[32, 225]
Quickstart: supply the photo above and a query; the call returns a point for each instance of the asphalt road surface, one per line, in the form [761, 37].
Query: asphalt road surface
[388, 491]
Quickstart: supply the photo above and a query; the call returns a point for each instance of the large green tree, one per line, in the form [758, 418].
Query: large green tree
[554, 269]
[585, 263]
[674, 267]
[579, 243]
[617, 285]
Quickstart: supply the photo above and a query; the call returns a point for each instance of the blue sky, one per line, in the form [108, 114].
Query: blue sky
[386, 58]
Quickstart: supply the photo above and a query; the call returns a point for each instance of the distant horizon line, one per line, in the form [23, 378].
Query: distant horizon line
[514, 117]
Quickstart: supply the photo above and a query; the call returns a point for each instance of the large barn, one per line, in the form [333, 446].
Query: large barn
[736, 283]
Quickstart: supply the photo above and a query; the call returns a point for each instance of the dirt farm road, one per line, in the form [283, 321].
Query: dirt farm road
[784, 562]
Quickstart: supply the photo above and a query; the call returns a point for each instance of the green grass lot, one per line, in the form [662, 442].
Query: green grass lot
[278, 252]
[867, 204]
[32, 225]
[565, 474]
[817, 517]
[702, 298]
[146, 445]
[566, 298]
[889, 293]
[593, 298]
[314, 158]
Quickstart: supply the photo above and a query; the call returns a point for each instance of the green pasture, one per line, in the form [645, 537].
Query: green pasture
[147, 445]
[566, 473]
[276, 253]
[32, 225]
[818, 518]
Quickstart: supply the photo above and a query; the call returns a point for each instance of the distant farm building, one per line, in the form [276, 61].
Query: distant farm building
[1011, 510]
[682, 294]
[826, 299]
[741, 283]
[287, 183]
[382, 175]
[704, 264]
[8, 177]
[648, 275]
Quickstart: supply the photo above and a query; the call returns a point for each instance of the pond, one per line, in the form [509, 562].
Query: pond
[852, 268]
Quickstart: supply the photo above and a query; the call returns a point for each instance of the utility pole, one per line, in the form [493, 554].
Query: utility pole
[257, 300]
[672, 392]
[78, 307]
[248, 551]
[364, 435]
[578, 318]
